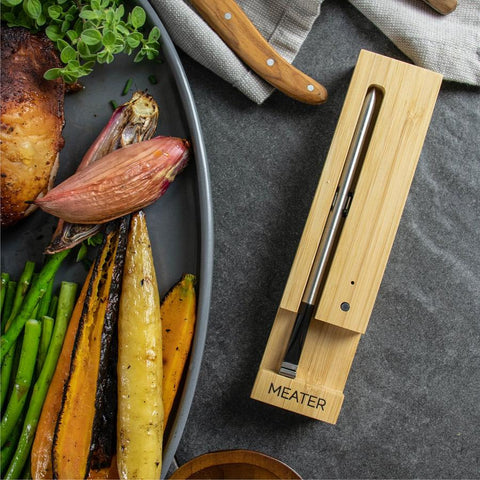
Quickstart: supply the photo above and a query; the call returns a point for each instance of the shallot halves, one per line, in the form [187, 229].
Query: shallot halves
[121, 182]
[133, 122]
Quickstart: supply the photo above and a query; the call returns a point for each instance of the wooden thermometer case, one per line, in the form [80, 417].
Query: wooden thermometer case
[363, 247]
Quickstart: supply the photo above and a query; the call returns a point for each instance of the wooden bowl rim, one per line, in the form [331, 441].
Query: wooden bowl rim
[228, 457]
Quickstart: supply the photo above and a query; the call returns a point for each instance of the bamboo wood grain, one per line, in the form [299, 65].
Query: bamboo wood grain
[229, 21]
[362, 251]
[382, 189]
[442, 6]
[317, 392]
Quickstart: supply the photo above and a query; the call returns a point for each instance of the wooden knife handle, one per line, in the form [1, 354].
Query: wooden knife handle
[238, 32]
[442, 6]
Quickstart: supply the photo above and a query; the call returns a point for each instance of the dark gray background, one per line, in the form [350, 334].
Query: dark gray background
[411, 405]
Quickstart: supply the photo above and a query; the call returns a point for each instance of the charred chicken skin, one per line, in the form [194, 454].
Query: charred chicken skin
[31, 121]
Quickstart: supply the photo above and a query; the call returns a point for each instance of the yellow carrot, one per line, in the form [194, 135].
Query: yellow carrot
[140, 406]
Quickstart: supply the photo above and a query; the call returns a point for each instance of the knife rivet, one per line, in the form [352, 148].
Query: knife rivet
[310, 88]
[228, 16]
[270, 62]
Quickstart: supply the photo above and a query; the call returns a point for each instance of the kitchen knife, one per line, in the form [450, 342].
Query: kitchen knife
[442, 6]
[229, 21]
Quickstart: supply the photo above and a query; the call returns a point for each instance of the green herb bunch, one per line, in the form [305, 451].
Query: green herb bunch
[85, 31]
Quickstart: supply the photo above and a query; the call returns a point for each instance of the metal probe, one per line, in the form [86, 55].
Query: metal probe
[338, 212]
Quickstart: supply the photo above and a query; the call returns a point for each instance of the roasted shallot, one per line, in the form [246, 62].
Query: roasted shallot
[122, 182]
[133, 122]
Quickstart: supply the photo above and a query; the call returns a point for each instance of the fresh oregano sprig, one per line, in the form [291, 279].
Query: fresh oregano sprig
[85, 32]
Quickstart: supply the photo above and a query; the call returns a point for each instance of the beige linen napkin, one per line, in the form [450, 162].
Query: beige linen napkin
[447, 44]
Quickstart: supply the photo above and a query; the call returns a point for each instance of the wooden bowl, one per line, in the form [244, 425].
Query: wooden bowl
[234, 464]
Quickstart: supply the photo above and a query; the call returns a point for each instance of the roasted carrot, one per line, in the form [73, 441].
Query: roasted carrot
[140, 406]
[178, 312]
[42, 445]
[74, 442]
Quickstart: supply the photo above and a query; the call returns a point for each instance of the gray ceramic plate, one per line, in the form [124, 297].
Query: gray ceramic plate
[180, 223]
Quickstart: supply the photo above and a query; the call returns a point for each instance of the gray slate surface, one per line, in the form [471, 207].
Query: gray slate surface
[411, 405]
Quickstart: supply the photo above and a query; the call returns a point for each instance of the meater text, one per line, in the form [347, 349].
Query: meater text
[302, 398]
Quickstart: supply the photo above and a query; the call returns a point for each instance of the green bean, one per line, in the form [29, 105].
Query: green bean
[8, 303]
[27, 469]
[65, 308]
[5, 277]
[34, 294]
[52, 309]
[47, 325]
[10, 446]
[7, 361]
[45, 302]
[11, 358]
[47, 328]
[7, 367]
[23, 378]
[26, 277]
[22, 288]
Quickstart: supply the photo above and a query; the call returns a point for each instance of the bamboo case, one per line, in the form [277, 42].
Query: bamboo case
[361, 251]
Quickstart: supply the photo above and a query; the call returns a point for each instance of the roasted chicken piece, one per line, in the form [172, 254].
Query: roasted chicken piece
[31, 121]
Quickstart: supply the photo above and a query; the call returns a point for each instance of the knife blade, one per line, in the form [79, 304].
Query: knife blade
[229, 21]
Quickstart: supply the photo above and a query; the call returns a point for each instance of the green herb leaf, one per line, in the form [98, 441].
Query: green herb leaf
[61, 44]
[138, 17]
[96, 240]
[91, 37]
[11, 3]
[55, 11]
[119, 12]
[72, 36]
[53, 33]
[33, 8]
[68, 54]
[8, 17]
[41, 20]
[53, 73]
[154, 35]
[109, 38]
[88, 14]
[133, 40]
[139, 56]
[85, 31]
[65, 25]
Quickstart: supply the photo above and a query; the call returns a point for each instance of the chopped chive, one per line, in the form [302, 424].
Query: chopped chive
[152, 79]
[127, 86]
[82, 253]
[114, 104]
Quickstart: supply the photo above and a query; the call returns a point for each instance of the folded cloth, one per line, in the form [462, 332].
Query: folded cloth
[447, 44]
